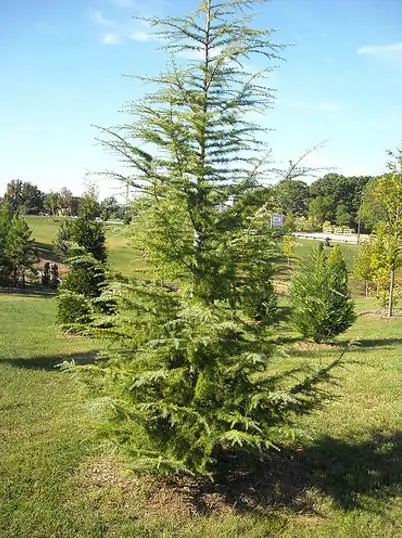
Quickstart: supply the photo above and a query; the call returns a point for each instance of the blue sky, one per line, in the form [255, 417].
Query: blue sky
[62, 67]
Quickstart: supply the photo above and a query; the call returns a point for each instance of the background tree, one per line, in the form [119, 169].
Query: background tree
[292, 197]
[109, 208]
[320, 209]
[338, 190]
[13, 195]
[46, 275]
[65, 201]
[32, 199]
[54, 276]
[363, 268]
[343, 217]
[288, 246]
[87, 232]
[51, 202]
[19, 250]
[82, 284]
[84, 231]
[321, 301]
[388, 191]
[6, 216]
[371, 211]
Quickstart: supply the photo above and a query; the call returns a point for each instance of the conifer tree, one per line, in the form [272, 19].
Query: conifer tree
[5, 223]
[321, 301]
[84, 231]
[192, 379]
[19, 251]
[46, 275]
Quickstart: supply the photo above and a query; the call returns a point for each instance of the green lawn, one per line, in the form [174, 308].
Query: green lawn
[304, 246]
[344, 480]
[121, 255]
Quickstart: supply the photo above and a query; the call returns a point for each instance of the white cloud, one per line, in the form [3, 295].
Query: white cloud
[98, 18]
[110, 39]
[141, 36]
[381, 50]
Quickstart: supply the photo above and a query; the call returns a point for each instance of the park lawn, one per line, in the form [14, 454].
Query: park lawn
[122, 256]
[303, 248]
[343, 480]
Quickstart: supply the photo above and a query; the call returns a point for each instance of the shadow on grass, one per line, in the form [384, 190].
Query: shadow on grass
[29, 291]
[379, 342]
[334, 468]
[51, 362]
[46, 251]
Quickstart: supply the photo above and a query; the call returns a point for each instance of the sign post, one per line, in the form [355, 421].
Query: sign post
[277, 220]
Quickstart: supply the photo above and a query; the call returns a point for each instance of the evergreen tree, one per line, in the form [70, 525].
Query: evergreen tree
[192, 380]
[46, 275]
[63, 239]
[6, 215]
[89, 234]
[19, 250]
[321, 301]
[79, 288]
[54, 276]
[84, 231]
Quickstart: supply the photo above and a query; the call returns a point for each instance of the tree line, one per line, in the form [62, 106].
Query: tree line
[28, 199]
[333, 199]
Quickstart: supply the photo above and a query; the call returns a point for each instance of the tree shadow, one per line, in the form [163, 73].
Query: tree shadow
[51, 363]
[378, 342]
[29, 291]
[343, 471]
[46, 251]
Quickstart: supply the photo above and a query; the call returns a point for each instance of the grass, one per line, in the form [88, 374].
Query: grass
[343, 480]
[122, 256]
[304, 246]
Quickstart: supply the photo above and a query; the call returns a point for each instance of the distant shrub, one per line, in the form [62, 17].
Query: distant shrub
[46, 274]
[80, 293]
[55, 276]
[321, 300]
[73, 310]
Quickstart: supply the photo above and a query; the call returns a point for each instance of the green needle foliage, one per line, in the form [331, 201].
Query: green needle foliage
[17, 251]
[321, 300]
[192, 375]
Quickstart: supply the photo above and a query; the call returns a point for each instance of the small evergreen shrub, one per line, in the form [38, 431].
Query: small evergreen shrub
[73, 310]
[55, 276]
[320, 297]
[78, 291]
[46, 275]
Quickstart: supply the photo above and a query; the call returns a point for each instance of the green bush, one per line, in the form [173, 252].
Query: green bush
[74, 310]
[81, 287]
[321, 301]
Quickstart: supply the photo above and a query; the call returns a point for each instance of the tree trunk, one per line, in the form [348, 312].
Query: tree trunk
[391, 293]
